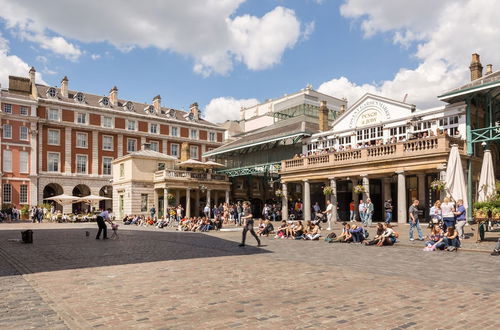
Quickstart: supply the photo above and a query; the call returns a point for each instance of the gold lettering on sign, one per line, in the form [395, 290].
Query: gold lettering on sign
[368, 117]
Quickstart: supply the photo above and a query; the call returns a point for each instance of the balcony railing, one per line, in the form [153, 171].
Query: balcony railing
[188, 175]
[413, 148]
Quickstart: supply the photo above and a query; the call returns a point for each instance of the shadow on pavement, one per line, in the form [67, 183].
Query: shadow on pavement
[60, 249]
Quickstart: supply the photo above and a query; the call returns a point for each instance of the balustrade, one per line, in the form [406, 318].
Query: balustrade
[177, 174]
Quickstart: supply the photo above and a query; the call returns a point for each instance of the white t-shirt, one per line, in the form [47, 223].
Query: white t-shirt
[329, 209]
[447, 210]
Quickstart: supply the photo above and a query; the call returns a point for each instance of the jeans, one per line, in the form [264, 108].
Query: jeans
[452, 242]
[388, 217]
[439, 246]
[448, 222]
[362, 217]
[238, 219]
[358, 237]
[249, 228]
[369, 217]
[419, 230]
[352, 216]
[460, 228]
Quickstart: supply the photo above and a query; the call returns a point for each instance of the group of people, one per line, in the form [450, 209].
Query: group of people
[297, 230]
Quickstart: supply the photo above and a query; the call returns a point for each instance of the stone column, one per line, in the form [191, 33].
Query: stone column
[366, 185]
[306, 207]
[216, 197]
[165, 202]
[401, 197]
[33, 166]
[197, 203]
[284, 202]
[188, 202]
[120, 144]
[333, 200]
[208, 198]
[421, 190]
[355, 198]
[67, 148]
[155, 201]
[95, 153]
[227, 196]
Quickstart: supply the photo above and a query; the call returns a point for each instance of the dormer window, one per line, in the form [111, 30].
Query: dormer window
[79, 97]
[129, 106]
[51, 92]
[149, 109]
[104, 101]
[171, 113]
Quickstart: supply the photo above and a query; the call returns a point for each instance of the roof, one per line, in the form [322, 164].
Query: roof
[93, 100]
[297, 126]
[486, 82]
[143, 153]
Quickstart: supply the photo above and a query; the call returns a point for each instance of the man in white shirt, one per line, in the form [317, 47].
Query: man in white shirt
[329, 213]
[362, 211]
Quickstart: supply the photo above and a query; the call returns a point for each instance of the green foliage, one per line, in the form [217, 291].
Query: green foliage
[25, 210]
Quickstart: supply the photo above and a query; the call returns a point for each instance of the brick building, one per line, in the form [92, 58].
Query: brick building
[55, 140]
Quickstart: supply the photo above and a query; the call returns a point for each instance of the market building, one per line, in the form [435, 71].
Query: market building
[58, 140]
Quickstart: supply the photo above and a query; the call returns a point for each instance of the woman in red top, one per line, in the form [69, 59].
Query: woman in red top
[352, 216]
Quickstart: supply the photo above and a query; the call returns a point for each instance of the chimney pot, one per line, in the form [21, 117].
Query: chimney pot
[193, 108]
[489, 69]
[323, 116]
[113, 96]
[34, 91]
[64, 87]
[476, 68]
[157, 103]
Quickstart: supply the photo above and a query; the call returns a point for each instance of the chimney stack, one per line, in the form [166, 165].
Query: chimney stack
[64, 87]
[113, 96]
[34, 91]
[193, 108]
[157, 103]
[476, 69]
[323, 117]
[185, 151]
[489, 69]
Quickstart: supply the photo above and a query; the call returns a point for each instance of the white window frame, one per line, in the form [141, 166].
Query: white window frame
[214, 134]
[21, 133]
[81, 156]
[128, 145]
[104, 120]
[155, 143]
[52, 111]
[172, 148]
[7, 131]
[52, 143]
[79, 144]
[58, 154]
[194, 136]
[191, 148]
[78, 121]
[178, 130]
[128, 125]
[23, 195]
[110, 165]
[7, 192]
[24, 162]
[156, 130]
[7, 160]
[112, 142]
[7, 108]
[21, 110]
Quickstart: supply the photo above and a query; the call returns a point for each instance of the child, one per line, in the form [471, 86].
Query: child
[114, 227]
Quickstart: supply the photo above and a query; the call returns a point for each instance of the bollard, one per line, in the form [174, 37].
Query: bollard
[27, 236]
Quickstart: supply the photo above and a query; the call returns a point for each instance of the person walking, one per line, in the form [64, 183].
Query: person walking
[388, 211]
[362, 211]
[102, 218]
[248, 224]
[414, 221]
[329, 214]
[369, 212]
[206, 211]
[460, 215]
[352, 213]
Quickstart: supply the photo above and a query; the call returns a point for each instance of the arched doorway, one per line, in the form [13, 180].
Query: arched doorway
[106, 191]
[80, 191]
[51, 190]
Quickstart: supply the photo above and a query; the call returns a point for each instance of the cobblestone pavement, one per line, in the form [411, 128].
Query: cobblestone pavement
[164, 279]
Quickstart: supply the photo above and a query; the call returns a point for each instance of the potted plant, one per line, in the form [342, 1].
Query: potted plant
[359, 189]
[438, 185]
[171, 199]
[327, 191]
[25, 211]
[278, 193]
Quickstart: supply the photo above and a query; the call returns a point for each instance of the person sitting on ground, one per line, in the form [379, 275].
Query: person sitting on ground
[268, 228]
[298, 230]
[313, 232]
[358, 234]
[435, 239]
[260, 227]
[345, 236]
[282, 230]
[388, 237]
[378, 235]
[451, 239]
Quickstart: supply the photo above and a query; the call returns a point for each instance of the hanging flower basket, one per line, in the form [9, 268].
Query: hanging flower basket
[171, 198]
[359, 189]
[278, 193]
[438, 185]
[327, 191]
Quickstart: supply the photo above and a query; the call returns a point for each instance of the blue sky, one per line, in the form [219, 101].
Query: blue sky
[367, 46]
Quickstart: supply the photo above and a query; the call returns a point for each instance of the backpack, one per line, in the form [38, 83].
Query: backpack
[366, 234]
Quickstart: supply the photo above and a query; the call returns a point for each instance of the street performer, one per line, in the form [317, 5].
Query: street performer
[247, 218]
[102, 218]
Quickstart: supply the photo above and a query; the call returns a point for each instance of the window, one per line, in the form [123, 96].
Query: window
[122, 170]
[153, 128]
[193, 134]
[449, 124]
[79, 97]
[345, 140]
[81, 140]
[7, 108]
[161, 166]
[153, 145]
[53, 115]
[193, 152]
[23, 111]
[107, 142]
[107, 122]
[23, 133]
[51, 92]
[104, 101]
[7, 161]
[53, 137]
[174, 150]
[53, 161]
[106, 165]
[23, 194]
[7, 193]
[212, 136]
[174, 131]
[131, 145]
[131, 125]
[81, 118]
[81, 164]
[7, 131]
[129, 106]
[23, 162]
[144, 202]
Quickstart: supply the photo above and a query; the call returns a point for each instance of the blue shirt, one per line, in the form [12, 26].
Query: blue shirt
[461, 216]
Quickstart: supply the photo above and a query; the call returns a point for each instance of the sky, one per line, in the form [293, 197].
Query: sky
[225, 54]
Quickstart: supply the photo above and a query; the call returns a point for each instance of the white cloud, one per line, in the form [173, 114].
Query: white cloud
[308, 29]
[95, 56]
[220, 109]
[207, 31]
[445, 37]
[12, 65]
